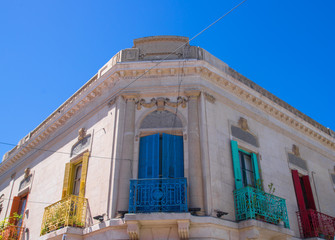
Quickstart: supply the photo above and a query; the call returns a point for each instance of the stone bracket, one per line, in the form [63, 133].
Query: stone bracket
[183, 229]
[133, 230]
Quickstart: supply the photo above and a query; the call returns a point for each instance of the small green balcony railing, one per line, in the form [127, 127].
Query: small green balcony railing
[70, 211]
[252, 203]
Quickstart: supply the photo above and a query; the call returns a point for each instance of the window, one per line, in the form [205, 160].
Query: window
[245, 166]
[161, 156]
[18, 207]
[75, 176]
[303, 191]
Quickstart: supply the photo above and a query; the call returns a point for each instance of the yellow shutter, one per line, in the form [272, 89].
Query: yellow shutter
[83, 174]
[67, 180]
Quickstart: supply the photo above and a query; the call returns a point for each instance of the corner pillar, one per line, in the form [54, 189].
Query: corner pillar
[196, 192]
[127, 152]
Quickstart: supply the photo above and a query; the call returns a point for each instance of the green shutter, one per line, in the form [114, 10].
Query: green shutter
[256, 170]
[236, 165]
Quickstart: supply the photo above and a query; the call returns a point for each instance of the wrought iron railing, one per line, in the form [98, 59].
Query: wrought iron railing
[158, 195]
[11, 233]
[315, 224]
[70, 211]
[252, 203]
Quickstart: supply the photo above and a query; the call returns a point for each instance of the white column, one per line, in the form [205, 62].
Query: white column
[195, 167]
[126, 160]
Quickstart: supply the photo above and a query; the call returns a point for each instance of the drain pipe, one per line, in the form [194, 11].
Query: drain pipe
[316, 192]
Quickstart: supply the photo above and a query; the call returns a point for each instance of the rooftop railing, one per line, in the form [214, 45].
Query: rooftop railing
[315, 224]
[70, 211]
[158, 195]
[252, 203]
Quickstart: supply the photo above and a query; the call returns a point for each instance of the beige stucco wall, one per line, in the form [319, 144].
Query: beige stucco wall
[216, 115]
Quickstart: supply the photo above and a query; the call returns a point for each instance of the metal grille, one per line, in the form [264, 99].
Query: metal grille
[11, 232]
[158, 195]
[316, 224]
[244, 135]
[70, 211]
[297, 161]
[252, 203]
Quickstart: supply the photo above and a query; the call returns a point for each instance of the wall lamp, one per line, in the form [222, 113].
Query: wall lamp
[194, 210]
[99, 217]
[220, 213]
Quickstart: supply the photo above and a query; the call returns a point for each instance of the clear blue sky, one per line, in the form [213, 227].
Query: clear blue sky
[49, 49]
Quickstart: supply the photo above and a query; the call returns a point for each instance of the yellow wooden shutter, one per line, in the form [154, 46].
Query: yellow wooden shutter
[83, 174]
[67, 180]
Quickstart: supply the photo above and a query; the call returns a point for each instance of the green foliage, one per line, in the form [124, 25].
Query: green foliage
[8, 227]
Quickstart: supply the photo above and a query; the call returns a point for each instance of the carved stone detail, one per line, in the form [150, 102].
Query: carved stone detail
[210, 98]
[183, 229]
[81, 134]
[133, 230]
[295, 150]
[161, 103]
[112, 102]
[243, 123]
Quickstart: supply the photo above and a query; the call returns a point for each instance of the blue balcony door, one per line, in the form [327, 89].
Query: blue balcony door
[161, 158]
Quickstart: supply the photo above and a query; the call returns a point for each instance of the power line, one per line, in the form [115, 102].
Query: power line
[137, 78]
[67, 153]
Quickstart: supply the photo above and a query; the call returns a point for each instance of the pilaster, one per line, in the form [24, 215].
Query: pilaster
[195, 166]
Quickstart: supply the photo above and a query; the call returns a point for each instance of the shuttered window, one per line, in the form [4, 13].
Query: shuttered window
[245, 165]
[75, 177]
[303, 191]
[161, 156]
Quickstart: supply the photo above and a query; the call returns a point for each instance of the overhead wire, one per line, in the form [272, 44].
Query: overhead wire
[127, 85]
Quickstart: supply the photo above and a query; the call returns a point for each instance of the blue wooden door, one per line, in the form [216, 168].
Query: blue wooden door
[149, 157]
[172, 169]
[172, 156]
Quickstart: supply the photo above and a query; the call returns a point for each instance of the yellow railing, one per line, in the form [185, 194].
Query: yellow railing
[70, 211]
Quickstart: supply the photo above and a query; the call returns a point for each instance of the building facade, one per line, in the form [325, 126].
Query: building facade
[168, 142]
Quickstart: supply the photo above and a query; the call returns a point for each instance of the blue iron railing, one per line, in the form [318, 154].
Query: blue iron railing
[252, 203]
[158, 195]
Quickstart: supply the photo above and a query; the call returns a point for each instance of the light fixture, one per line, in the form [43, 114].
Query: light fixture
[99, 217]
[220, 213]
[194, 210]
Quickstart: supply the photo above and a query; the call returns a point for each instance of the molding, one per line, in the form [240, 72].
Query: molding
[228, 80]
[161, 103]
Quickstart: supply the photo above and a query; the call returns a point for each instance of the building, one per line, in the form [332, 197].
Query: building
[168, 142]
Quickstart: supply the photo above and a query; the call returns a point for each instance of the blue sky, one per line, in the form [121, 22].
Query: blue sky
[49, 49]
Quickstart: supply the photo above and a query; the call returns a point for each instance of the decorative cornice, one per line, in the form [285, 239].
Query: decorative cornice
[229, 80]
[161, 102]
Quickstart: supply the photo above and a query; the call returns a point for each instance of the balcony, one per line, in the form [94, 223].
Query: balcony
[252, 203]
[158, 195]
[316, 224]
[70, 211]
[11, 232]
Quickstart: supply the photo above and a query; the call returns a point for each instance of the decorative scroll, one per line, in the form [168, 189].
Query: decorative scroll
[161, 103]
[252, 203]
[70, 211]
[158, 195]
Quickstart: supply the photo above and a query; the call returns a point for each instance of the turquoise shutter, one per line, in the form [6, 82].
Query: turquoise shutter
[149, 157]
[256, 169]
[236, 165]
[172, 156]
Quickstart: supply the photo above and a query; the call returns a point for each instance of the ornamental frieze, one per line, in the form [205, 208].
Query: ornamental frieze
[161, 103]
